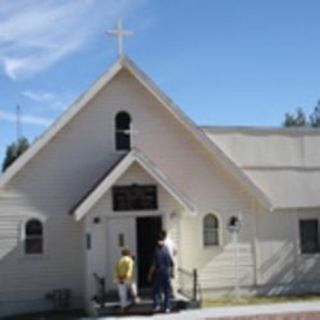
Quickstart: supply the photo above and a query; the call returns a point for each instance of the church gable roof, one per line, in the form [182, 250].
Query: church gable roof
[283, 162]
[125, 63]
[113, 175]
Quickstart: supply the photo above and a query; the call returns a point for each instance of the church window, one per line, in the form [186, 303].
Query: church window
[33, 237]
[309, 236]
[134, 197]
[210, 230]
[122, 134]
[88, 241]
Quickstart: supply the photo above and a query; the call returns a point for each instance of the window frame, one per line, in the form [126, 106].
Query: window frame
[301, 248]
[32, 237]
[118, 131]
[216, 229]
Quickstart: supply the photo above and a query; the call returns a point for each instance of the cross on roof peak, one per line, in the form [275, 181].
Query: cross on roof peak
[120, 33]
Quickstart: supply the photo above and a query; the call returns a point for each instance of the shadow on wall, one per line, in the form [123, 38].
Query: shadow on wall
[284, 272]
[218, 269]
[287, 272]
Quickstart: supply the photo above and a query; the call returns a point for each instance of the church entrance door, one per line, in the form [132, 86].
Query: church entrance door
[140, 235]
[148, 229]
[121, 233]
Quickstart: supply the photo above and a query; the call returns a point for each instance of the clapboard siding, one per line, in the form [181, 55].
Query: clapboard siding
[25, 280]
[220, 272]
[280, 261]
[25, 276]
[216, 264]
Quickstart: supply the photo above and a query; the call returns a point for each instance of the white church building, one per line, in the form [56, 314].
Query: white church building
[124, 162]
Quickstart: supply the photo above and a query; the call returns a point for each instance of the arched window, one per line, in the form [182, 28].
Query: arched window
[122, 134]
[210, 230]
[33, 237]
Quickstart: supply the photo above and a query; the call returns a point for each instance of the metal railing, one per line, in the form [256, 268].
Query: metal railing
[100, 290]
[189, 285]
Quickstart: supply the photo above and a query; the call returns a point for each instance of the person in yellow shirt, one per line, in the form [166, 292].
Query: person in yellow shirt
[124, 278]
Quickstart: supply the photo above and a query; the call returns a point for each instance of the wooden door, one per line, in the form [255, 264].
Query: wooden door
[121, 232]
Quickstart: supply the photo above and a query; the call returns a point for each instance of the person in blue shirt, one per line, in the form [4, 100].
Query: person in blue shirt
[160, 273]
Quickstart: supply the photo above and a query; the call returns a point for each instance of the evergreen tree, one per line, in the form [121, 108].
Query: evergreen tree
[314, 117]
[14, 151]
[297, 119]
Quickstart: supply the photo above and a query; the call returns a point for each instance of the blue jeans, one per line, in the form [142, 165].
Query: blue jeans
[161, 285]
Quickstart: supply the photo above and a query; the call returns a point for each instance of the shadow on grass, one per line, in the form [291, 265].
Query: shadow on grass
[74, 315]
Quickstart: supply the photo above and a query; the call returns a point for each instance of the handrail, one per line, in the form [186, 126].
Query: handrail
[192, 288]
[186, 272]
[195, 285]
[101, 293]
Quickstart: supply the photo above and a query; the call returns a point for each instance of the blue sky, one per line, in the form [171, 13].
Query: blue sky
[224, 62]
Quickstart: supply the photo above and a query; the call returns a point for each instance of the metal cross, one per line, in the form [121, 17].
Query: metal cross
[120, 34]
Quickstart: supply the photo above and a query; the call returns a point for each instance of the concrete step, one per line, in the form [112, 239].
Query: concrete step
[144, 307]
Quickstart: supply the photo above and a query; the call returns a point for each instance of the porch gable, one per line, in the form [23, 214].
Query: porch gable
[135, 155]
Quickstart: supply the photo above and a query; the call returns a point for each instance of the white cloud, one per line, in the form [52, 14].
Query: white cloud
[26, 119]
[36, 34]
[12, 65]
[58, 106]
[39, 96]
[48, 99]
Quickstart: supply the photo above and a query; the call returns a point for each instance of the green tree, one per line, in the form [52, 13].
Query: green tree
[297, 119]
[14, 151]
[314, 117]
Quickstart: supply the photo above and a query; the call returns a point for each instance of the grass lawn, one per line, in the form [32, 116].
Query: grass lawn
[230, 301]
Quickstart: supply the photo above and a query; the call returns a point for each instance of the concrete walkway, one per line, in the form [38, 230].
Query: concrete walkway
[230, 312]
